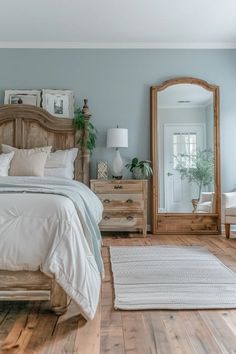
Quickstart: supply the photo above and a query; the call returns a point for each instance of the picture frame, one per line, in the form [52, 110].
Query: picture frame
[60, 103]
[102, 170]
[31, 97]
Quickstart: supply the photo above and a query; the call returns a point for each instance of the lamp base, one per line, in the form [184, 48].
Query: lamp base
[117, 165]
[117, 177]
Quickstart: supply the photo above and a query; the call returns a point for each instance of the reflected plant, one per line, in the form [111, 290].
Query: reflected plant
[199, 171]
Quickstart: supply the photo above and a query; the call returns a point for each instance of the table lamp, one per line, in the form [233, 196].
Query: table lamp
[117, 138]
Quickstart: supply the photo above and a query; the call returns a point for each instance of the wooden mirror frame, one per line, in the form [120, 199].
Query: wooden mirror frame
[184, 223]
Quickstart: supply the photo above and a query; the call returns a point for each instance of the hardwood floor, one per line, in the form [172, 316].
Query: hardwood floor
[30, 328]
[168, 332]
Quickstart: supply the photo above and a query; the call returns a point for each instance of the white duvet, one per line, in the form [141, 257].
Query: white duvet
[51, 224]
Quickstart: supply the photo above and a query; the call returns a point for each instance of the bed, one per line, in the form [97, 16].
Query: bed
[25, 127]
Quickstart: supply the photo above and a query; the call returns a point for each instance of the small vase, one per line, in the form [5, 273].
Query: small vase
[85, 109]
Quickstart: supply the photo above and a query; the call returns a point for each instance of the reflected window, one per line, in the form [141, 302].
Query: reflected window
[184, 149]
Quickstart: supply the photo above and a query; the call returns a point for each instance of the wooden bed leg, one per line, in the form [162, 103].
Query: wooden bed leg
[58, 299]
[227, 230]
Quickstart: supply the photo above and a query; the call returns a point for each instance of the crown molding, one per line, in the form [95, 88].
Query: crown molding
[117, 45]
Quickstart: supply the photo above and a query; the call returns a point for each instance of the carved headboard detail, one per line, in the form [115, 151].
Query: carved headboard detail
[26, 126]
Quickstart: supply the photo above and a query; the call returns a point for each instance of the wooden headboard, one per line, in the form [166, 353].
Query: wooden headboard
[26, 126]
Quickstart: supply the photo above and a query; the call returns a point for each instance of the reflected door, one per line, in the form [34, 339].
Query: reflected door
[181, 140]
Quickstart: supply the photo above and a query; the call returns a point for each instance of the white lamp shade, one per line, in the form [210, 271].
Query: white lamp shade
[117, 137]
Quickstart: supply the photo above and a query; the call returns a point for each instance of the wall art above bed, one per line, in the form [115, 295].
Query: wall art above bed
[59, 103]
[32, 97]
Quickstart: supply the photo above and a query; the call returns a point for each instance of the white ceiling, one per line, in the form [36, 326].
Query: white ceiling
[195, 95]
[118, 23]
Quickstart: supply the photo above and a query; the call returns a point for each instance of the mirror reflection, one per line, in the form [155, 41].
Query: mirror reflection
[186, 149]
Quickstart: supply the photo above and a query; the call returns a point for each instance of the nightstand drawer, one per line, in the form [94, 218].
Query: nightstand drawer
[112, 186]
[121, 221]
[122, 201]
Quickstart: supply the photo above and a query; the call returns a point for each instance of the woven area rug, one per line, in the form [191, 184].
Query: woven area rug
[171, 277]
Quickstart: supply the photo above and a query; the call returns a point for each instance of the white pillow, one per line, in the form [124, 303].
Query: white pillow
[27, 162]
[61, 163]
[5, 163]
[57, 159]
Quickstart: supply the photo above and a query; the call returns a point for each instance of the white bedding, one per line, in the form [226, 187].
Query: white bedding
[51, 224]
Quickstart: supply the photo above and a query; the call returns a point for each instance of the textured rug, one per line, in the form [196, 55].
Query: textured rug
[171, 277]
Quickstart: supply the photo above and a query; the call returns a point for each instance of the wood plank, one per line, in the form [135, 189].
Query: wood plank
[89, 336]
[144, 333]
[117, 201]
[64, 335]
[112, 340]
[187, 223]
[41, 338]
[199, 334]
[176, 333]
[23, 279]
[117, 186]
[20, 333]
[36, 330]
[223, 335]
[26, 295]
[9, 312]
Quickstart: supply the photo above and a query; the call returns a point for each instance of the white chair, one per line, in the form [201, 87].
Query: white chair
[228, 211]
[206, 203]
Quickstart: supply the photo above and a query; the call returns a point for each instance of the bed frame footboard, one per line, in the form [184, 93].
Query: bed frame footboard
[32, 286]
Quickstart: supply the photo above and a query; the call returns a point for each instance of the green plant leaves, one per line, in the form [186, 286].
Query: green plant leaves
[135, 161]
[88, 139]
[143, 165]
[201, 171]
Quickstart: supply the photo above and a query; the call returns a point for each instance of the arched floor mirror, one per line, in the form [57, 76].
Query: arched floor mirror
[185, 152]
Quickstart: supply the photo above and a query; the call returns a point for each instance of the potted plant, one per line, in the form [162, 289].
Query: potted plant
[198, 169]
[88, 139]
[140, 169]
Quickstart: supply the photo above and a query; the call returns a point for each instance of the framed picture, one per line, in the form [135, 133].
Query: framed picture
[32, 97]
[60, 103]
[102, 170]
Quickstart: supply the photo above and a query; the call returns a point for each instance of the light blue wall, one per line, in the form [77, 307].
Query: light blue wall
[117, 84]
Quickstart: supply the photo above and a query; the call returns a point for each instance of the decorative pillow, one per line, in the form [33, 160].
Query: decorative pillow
[57, 159]
[5, 161]
[7, 148]
[61, 163]
[27, 162]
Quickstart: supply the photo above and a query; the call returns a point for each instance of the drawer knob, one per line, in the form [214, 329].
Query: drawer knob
[129, 218]
[118, 187]
[106, 218]
[129, 201]
[106, 201]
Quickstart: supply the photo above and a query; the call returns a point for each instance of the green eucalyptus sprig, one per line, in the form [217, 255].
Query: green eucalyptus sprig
[88, 139]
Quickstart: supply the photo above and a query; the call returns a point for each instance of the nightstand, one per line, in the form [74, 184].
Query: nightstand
[125, 204]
